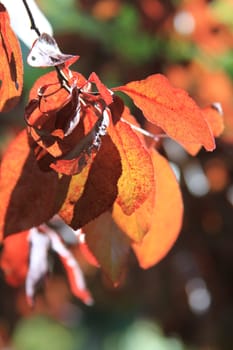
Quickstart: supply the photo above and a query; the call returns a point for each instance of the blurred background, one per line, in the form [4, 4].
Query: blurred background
[186, 301]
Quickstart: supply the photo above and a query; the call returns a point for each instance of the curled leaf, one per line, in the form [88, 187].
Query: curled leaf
[46, 53]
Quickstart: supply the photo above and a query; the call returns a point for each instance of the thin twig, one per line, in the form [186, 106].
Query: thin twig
[33, 25]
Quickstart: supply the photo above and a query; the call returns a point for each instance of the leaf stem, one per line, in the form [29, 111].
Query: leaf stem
[145, 132]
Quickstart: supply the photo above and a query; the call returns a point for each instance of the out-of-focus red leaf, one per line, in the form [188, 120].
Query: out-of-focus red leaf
[208, 33]
[14, 258]
[171, 109]
[87, 254]
[167, 216]
[108, 244]
[74, 272]
[137, 179]
[98, 187]
[28, 195]
[11, 65]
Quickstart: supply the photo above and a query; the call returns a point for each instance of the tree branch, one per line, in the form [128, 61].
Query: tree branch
[33, 25]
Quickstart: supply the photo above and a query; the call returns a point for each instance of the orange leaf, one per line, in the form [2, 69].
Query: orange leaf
[108, 244]
[137, 179]
[103, 90]
[171, 109]
[214, 118]
[167, 216]
[51, 78]
[14, 258]
[136, 225]
[28, 195]
[11, 65]
[94, 191]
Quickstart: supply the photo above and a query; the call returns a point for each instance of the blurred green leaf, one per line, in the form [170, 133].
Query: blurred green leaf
[40, 333]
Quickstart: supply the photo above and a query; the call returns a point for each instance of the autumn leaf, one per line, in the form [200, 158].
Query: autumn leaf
[136, 225]
[69, 125]
[98, 187]
[104, 92]
[214, 117]
[108, 244]
[137, 179]
[46, 53]
[167, 216]
[171, 109]
[14, 258]
[11, 65]
[28, 195]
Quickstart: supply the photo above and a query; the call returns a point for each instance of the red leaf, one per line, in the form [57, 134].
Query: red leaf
[137, 179]
[93, 191]
[14, 258]
[86, 148]
[108, 244]
[11, 65]
[103, 90]
[51, 78]
[69, 126]
[171, 109]
[87, 254]
[167, 216]
[28, 195]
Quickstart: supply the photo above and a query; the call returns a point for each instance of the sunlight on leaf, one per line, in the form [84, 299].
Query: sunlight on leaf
[171, 109]
[137, 179]
[28, 195]
[11, 65]
[167, 216]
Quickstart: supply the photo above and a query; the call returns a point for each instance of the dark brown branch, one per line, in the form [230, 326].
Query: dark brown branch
[33, 25]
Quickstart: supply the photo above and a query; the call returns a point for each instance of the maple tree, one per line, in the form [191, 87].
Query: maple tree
[83, 156]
